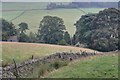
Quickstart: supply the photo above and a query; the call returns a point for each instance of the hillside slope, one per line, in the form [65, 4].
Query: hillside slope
[12, 12]
[93, 67]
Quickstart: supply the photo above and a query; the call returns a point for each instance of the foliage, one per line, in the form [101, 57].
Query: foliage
[62, 42]
[23, 27]
[32, 37]
[119, 33]
[23, 37]
[99, 31]
[57, 64]
[67, 38]
[34, 21]
[51, 30]
[8, 29]
[47, 67]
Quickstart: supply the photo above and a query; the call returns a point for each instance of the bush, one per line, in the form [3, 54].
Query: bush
[47, 67]
[62, 42]
[58, 64]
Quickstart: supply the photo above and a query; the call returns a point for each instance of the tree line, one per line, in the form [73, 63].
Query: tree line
[58, 5]
[51, 31]
[98, 31]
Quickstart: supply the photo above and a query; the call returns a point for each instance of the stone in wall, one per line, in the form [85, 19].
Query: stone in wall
[27, 66]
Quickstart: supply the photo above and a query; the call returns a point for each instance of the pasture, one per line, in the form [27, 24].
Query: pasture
[33, 17]
[93, 67]
[23, 51]
[32, 13]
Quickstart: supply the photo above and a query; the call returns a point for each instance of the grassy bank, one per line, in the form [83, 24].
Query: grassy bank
[95, 67]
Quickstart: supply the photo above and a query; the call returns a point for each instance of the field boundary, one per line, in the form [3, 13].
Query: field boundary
[28, 66]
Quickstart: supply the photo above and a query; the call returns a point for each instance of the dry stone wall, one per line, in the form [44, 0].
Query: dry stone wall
[22, 69]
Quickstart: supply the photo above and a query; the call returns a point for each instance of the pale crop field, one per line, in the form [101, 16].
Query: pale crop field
[33, 17]
[23, 51]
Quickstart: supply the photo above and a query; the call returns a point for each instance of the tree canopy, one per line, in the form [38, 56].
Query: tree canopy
[8, 29]
[23, 27]
[99, 31]
[51, 30]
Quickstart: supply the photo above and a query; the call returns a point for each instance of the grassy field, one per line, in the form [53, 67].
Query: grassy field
[23, 51]
[33, 18]
[94, 67]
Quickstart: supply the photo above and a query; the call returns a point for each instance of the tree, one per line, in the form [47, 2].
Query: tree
[23, 27]
[62, 42]
[32, 37]
[83, 25]
[99, 31]
[51, 30]
[119, 37]
[22, 35]
[51, 6]
[23, 38]
[67, 38]
[8, 29]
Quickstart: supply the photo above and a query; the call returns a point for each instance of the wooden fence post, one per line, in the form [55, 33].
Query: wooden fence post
[16, 70]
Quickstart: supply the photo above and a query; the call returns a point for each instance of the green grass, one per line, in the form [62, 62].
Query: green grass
[23, 51]
[41, 69]
[33, 18]
[23, 5]
[99, 67]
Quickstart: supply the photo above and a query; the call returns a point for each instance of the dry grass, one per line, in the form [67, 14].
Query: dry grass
[23, 51]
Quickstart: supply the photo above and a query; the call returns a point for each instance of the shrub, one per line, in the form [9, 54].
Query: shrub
[58, 64]
[62, 42]
[47, 67]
